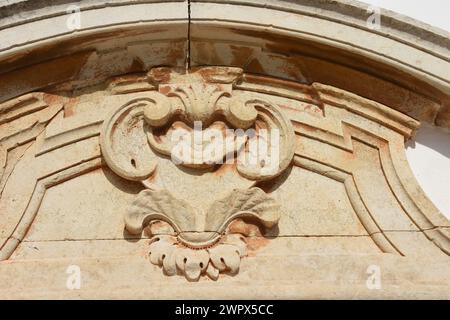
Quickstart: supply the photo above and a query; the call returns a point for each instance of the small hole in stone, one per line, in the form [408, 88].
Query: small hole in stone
[263, 163]
[163, 256]
[133, 163]
[201, 264]
[222, 260]
[185, 260]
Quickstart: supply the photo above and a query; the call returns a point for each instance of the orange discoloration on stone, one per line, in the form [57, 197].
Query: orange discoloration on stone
[205, 72]
[259, 125]
[51, 99]
[59, 48]
[42, 75]
[282, 83]
[70, 107]
[164, 89]
[309, 129]
[160, 75]
[344, 71]
[256, 243]
[135, 123]
[244, 228]
[313, 109]
[224, 168]
[127, 79]
[158, 228]
[255, 66]
[217, 75]
[310, 109]
[241, 55]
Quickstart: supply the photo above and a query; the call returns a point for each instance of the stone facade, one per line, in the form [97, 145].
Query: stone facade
[87, 182]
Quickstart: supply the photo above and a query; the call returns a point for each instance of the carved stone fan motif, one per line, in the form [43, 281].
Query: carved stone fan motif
[196, 191]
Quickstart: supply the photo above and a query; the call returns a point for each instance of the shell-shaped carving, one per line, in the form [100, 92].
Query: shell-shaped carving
[199, 100]
[177, 259]
[216, 145]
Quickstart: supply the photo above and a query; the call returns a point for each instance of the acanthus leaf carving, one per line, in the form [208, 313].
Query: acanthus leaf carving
[249, 203]
[199, 242]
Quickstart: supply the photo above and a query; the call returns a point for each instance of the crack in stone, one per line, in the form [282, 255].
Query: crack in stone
[248, 237]
[188, 53]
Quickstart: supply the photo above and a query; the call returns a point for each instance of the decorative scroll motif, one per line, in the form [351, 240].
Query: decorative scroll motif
[138, 137]
[205, 97]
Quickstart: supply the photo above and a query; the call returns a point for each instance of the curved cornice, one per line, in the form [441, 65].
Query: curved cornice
[404, 65]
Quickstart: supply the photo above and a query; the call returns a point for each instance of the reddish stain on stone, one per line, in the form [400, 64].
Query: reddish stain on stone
[164, 89]
[256, 243]
[244, 228]
[69, 107]
[224, 168]
[160, 75]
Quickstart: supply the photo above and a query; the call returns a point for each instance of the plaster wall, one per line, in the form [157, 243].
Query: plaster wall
[429, 158]
[429, 155]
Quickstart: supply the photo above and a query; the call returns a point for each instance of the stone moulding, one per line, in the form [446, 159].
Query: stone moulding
[331, 132]
[95, 104]
[299, 50]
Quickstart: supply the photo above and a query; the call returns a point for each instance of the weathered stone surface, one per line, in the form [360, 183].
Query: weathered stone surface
[402, 278]
[88, 175]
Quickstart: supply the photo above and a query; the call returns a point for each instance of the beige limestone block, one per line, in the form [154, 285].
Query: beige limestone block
[341, 194]
[93, 213]
[416, 243]
[369, 178]
[75, 248]
[315, 205]
[292, 277]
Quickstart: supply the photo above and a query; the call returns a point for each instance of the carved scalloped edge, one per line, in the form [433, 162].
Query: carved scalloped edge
[189, 250]
[175, 258]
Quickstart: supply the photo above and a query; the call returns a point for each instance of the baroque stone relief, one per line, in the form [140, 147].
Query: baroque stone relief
[350, 200]
[139, 141]
[347, 146]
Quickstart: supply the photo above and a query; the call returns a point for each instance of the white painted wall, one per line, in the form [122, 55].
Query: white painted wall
[429, 158]
[429, 155]
[433, 12]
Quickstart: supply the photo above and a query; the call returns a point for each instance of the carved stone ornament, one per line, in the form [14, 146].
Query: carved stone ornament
[139, 142]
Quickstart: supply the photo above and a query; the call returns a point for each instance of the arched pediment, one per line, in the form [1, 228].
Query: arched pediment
[88, 174]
